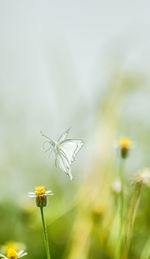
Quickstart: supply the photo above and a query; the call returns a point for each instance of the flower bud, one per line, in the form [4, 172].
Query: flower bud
[143, 177]
[41, 197]
[125, 145]
[116, 187]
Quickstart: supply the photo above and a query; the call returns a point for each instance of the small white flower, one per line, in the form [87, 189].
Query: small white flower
[41, 195]
[14, 245]
[143, 177]
[40, 191]
[13, 254]
[116, 186]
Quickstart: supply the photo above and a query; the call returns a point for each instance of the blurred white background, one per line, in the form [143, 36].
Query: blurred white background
[56, 58]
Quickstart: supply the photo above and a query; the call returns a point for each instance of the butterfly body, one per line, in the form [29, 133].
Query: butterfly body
[65, 151]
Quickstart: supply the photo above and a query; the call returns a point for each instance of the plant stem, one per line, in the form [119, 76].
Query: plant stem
[45, 234]
[121, 211]
[132, 215]
[121, 193]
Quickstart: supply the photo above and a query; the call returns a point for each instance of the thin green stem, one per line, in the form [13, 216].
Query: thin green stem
[135, 207]
[132, 215]
[45, 234]
[121, 193]
[121, 210]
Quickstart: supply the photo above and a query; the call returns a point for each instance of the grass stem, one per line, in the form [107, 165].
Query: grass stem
[121, 211]
[132, 216]
[45, 234]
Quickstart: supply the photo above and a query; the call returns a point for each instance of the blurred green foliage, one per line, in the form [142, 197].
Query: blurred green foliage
[82, 217]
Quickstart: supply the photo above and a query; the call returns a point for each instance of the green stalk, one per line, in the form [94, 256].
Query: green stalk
[132, 215]
[45, 234]
[121, 211]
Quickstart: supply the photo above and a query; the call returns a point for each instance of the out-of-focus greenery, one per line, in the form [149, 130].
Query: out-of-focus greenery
[82, 217]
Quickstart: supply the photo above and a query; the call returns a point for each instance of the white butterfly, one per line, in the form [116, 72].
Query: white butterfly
[65, 151]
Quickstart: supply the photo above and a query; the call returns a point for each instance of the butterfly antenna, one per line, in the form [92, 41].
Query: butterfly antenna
[69, 129]
[43, 135]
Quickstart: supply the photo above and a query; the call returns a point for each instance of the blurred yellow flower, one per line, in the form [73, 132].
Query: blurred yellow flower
[125, 142]
[12, 253]
[11, 244]
[124, 145]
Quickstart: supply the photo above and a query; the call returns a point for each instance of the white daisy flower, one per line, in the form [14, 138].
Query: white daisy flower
[13, 254]
[41, 195]
[11, 244]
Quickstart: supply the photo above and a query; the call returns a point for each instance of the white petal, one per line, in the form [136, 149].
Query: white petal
[21, 252]
[31, 195]
[49, 193]
[24, 254]
[3, 256]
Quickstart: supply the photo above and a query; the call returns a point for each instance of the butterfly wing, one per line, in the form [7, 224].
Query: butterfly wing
[48, 145]
[63, 163]
[71, 147]
[65, 151]
[63, 136]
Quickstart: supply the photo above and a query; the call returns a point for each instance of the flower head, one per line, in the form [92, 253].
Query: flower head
[13, 245]
[39, 190]
[143, 177]
[116, 187]
[12, 253]
[125, 145]
[41, 195]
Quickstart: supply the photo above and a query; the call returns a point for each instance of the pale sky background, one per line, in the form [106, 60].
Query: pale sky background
[56, 58]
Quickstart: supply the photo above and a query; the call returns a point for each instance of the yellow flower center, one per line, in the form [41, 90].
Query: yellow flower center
[125, 142]
[40, 190]
[59, 147]
[12, 253]
[10, 245]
